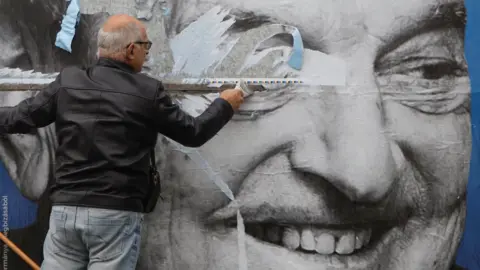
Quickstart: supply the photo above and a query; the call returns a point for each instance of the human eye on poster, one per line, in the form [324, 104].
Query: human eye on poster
[353, 152]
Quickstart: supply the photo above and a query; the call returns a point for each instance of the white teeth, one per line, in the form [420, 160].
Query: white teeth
[325, 244]
[321, 241]
[346, 243]
[291, 238]
[308, 239]
[359, 238]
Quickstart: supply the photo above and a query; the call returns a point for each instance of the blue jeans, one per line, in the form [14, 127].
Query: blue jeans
[92, 238]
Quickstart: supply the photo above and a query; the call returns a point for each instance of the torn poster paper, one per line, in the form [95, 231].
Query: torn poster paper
[69, 22]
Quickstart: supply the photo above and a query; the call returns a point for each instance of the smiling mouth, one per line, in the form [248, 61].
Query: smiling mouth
[310, 229]
[314, 239]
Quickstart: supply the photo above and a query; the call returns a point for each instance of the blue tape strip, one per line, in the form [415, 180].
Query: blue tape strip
[67, 32]
[296, 58]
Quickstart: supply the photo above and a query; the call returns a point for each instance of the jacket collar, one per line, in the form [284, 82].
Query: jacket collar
[106, 62]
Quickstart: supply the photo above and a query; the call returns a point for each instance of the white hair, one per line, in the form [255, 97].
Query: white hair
[113, 42]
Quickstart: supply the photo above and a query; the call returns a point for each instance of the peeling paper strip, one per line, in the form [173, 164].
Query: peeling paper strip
[214, 51]
[319, 69]
[18, 76]
[296, 58]
[262, 61]
[242, 249]
[195, 58]
[202, 163]
[67, 30]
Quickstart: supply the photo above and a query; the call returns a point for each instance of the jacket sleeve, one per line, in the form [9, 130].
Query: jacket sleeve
[185, 129]
[35, 112]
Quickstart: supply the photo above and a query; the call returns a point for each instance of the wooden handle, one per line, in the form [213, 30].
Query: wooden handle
[20, 253]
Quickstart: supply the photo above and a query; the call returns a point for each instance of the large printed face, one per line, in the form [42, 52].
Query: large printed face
[367, 176]
[370, 175]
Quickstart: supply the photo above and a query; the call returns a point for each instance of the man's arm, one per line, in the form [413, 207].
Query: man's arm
[34, 112]
[185, 129]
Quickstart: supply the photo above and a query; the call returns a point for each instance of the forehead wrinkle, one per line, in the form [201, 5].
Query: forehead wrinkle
[339, 24]
[449, 15]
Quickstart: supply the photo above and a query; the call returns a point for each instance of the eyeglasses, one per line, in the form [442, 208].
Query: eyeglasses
[148, 44]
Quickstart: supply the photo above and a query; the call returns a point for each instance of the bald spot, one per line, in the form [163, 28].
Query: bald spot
[116, 22]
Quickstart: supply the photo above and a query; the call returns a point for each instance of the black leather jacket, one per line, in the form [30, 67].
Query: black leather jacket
[107, 119]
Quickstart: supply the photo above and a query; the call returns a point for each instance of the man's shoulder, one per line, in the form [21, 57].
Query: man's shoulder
[149, 82]
[70, 69]
[148, 79]
[69, 72]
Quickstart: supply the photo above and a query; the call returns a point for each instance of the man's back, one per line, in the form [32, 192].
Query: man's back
[105, 130]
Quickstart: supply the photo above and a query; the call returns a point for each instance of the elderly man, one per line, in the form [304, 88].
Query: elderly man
[367, 176]
[107, 118]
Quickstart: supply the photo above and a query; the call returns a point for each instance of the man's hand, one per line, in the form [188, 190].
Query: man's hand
[233, 96]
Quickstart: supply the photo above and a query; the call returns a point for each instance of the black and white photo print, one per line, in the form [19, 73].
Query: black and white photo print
[362, 166]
